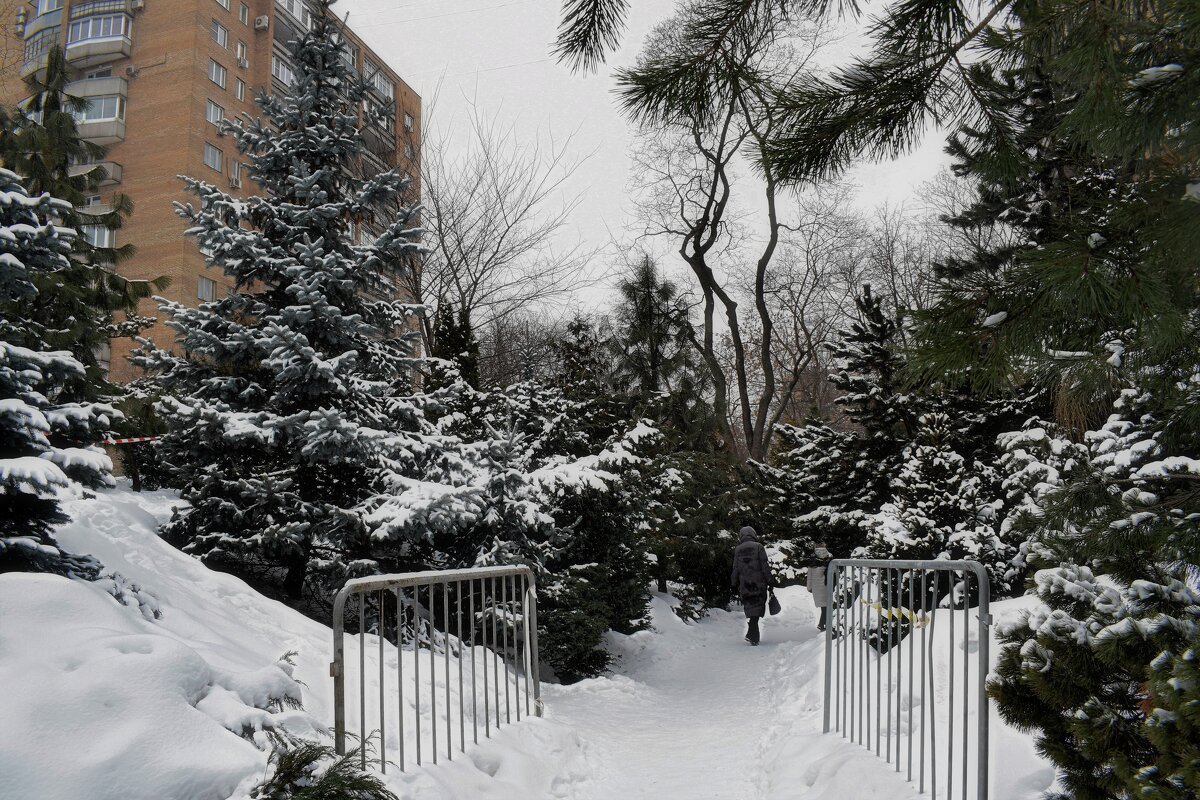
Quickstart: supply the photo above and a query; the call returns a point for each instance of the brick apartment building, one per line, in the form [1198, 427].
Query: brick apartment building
[159, 75]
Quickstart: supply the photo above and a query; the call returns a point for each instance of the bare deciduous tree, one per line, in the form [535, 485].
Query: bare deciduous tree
[688, 170]
[496, 209]
[518, 347]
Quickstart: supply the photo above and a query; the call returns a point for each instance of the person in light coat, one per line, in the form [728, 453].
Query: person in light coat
[751, 580]
[816, 583]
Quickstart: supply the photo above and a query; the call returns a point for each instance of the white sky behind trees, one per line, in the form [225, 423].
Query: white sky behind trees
[495, 55]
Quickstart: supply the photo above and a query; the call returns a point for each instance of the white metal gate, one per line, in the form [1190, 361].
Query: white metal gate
[898, 668]
[486, 617]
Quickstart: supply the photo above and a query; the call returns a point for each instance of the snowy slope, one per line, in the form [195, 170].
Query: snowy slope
[114, 705]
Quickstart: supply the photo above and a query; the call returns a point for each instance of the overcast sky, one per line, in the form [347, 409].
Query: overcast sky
[496, 54]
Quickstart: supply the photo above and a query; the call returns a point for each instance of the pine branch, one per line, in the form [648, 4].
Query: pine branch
[589, 31]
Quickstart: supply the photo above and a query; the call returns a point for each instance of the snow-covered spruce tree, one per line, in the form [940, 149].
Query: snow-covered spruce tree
[943, 504]
[555, 478]
[45, 446]
[916, 479]
[288, 401]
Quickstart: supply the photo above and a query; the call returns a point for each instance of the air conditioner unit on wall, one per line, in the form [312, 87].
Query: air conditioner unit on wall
[243, 63]
[262, 23]
[138, 5]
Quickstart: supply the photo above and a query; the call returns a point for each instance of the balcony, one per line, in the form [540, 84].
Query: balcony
[286, 30]
[112, 171]
[380, 143]
[99, 32]
[42, 34]
[103, 122]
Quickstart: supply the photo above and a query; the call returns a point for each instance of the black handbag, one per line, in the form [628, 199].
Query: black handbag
[773, 606]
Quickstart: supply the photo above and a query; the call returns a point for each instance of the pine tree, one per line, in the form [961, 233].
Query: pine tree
[45, 443]
[917, 478]
[943, 505]
[77, 306]
[293, 427]
[828, 481]
[656, 363]
[1092, 673]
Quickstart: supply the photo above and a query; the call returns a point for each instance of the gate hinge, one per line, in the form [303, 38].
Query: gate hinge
[333, 669]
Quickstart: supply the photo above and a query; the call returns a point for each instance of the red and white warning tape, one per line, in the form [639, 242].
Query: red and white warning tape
[131, 440]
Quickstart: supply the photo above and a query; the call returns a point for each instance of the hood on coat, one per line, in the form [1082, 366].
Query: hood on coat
[748, 534]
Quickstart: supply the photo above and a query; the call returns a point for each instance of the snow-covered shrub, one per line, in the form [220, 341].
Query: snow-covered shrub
[1103, 672]
[312, 771]
[130, 594]
[691, 504]
[554, 480]
[264, 706]
[1037, 461]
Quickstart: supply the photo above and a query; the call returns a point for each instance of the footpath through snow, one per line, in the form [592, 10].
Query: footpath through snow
[110, 703]
[695, 712]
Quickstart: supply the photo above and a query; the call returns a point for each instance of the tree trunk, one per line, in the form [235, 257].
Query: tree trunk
[297, 571]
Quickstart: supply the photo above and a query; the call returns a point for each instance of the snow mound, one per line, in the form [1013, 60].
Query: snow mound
[111, 707]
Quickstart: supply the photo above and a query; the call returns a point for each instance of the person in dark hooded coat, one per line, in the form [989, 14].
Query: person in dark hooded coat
[751, 579]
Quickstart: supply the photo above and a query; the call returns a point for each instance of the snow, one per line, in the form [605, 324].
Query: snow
[118, 704]
[33, 475]
[693, 712]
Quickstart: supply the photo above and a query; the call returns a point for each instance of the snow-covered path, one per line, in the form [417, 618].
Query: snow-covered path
[694, 712]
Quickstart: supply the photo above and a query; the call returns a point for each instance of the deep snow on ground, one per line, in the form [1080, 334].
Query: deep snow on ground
[98, 702]
[110, 705]
[692, 711]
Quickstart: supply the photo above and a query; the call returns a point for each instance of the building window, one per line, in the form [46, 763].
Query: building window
[380, 82]
[102, 108]
[383, 119]
[235, 172]
[243, 53]
[98, 235]
[220, 34]
[408, 150]
[103, 356]
[102, 26]
[46, 6]
[239, 89]
[282, 70]
[206, 289]
[244, 14]
[298, 9]
[216, 73]
[223, 4]
[408, 122]
[213, 157]
[214, 113]
[98, 74]
[40, 43]
[349, 55]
